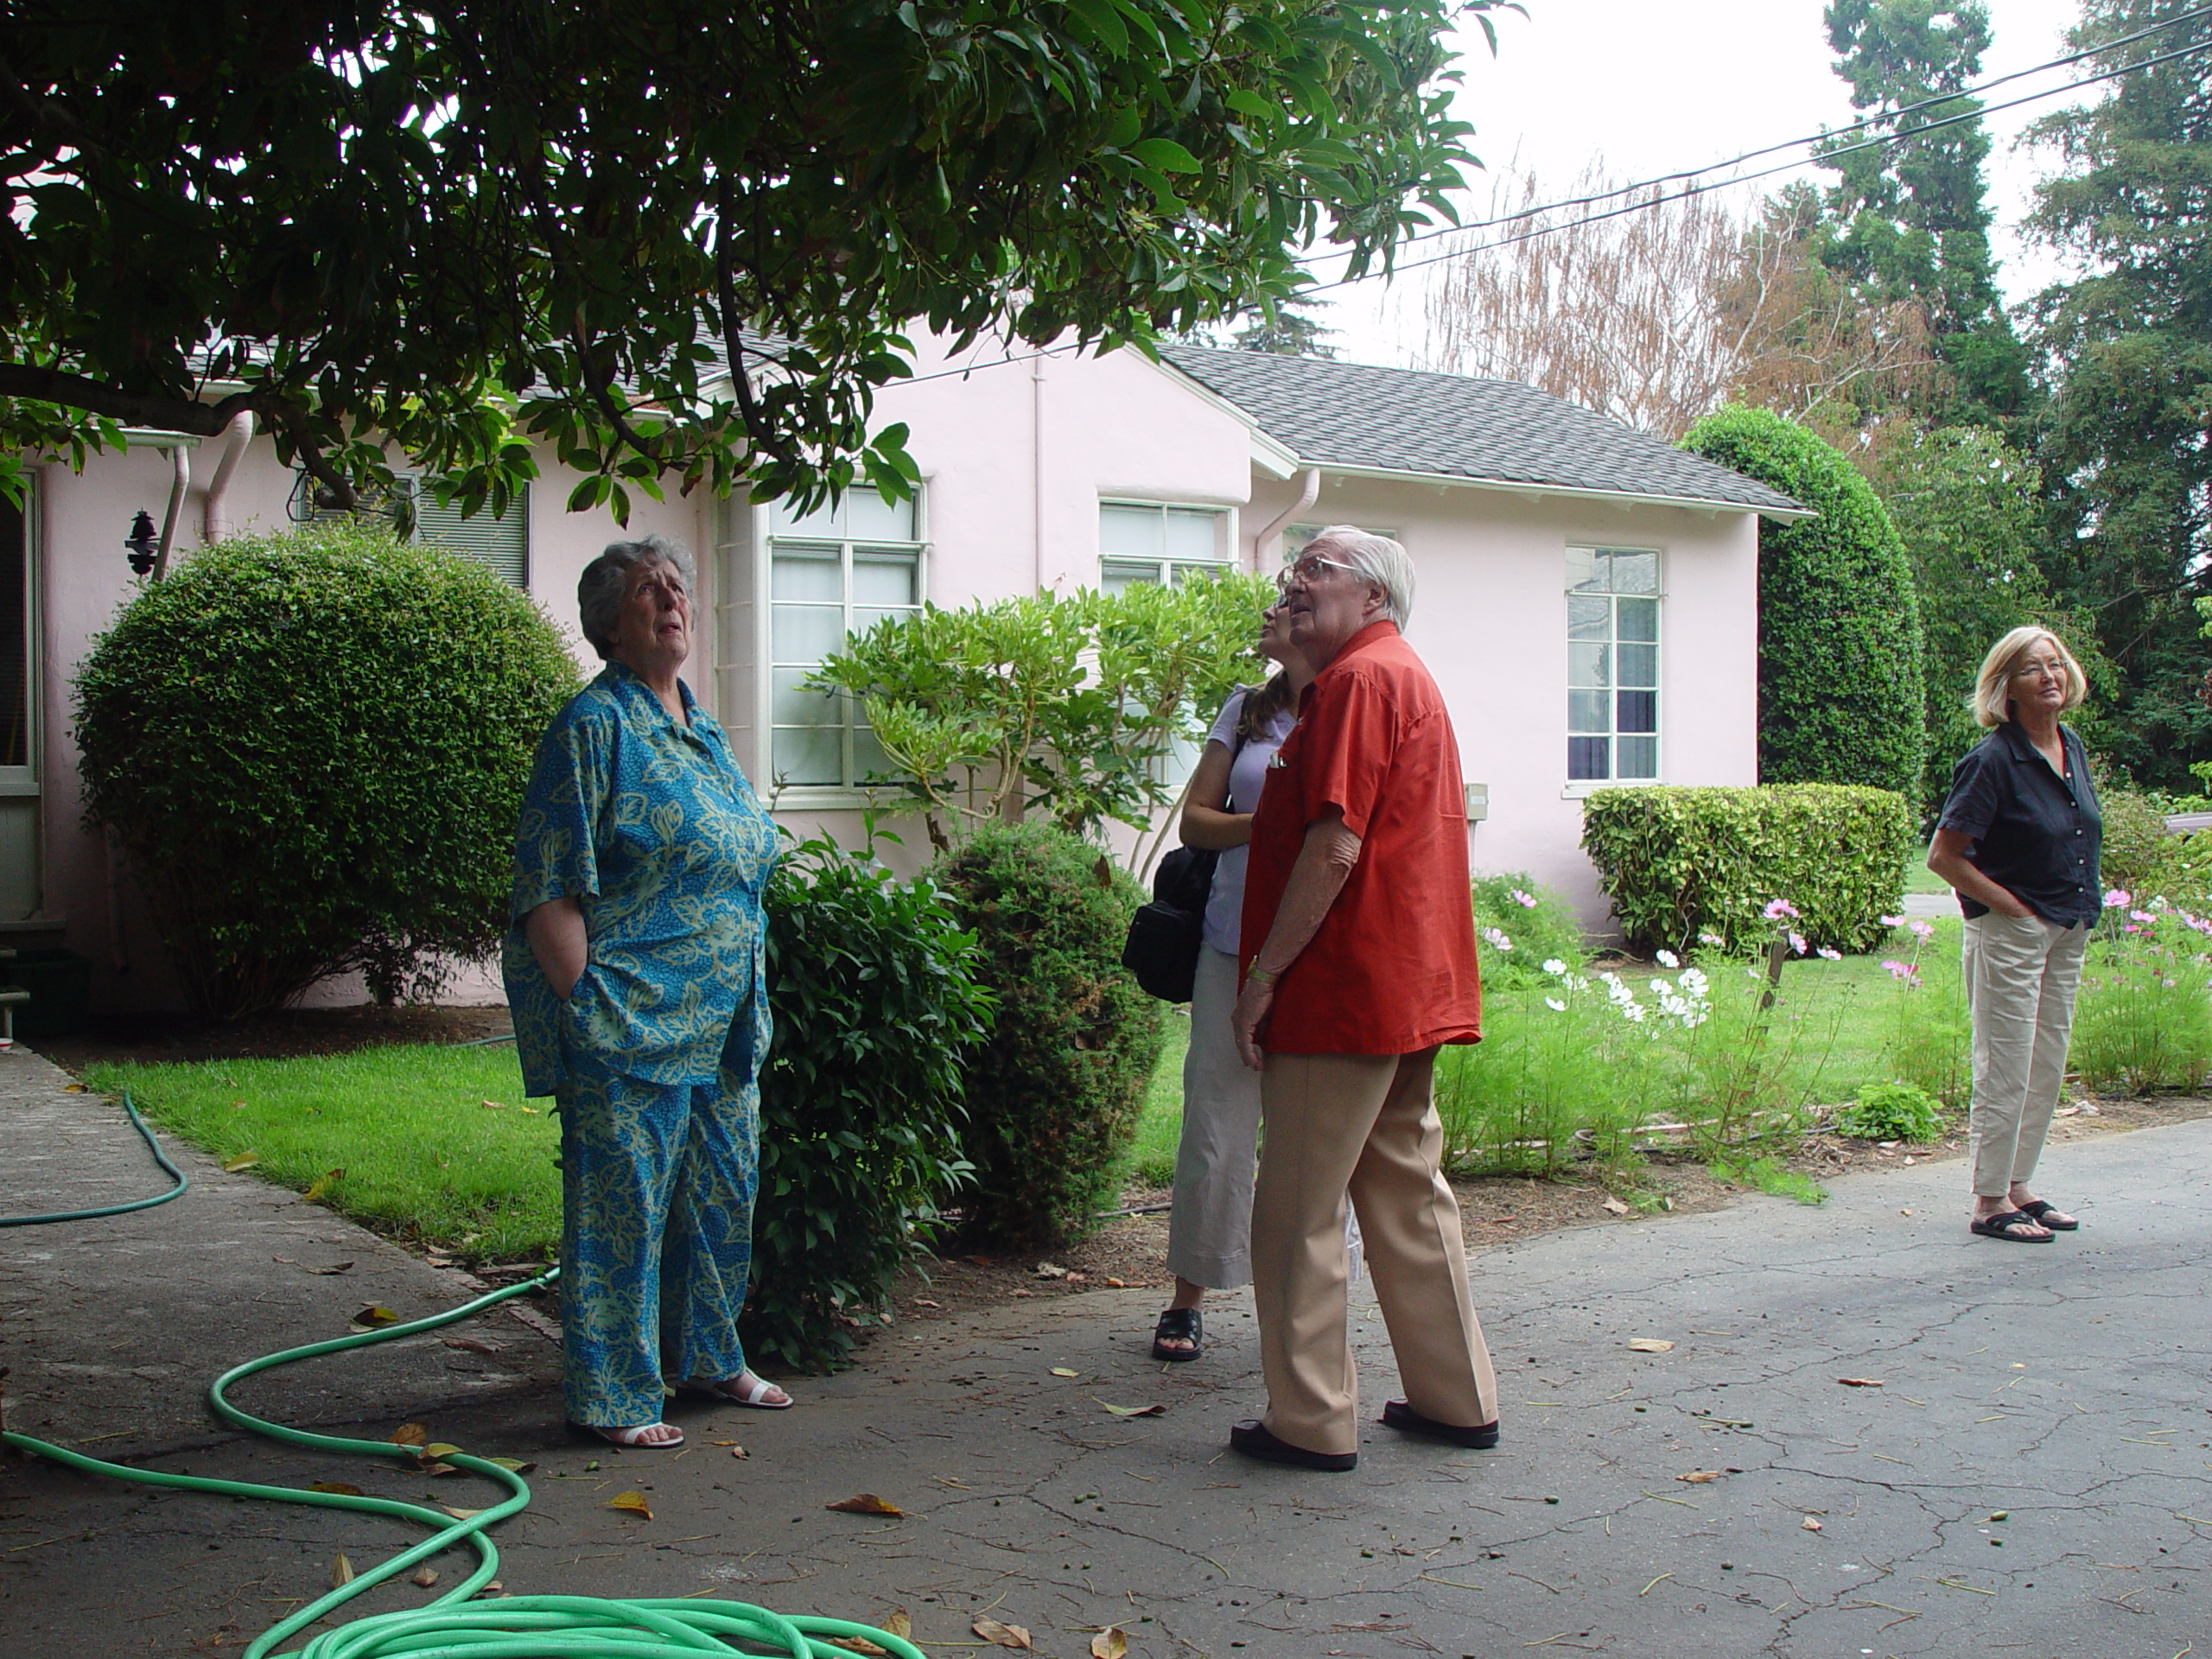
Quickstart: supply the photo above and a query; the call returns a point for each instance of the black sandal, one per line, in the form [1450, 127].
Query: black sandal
[2001, 1225]
[2040, 1212]
[1183, 1325]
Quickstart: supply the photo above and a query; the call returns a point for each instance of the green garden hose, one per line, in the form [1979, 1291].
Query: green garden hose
[160, 1157]
[454, 1626]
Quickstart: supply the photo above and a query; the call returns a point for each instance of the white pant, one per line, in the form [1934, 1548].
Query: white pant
[1210, 1234]
[2021, 974]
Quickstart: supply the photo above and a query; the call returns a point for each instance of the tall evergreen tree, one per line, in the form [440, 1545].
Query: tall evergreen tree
[1910, 220]
[2126, 439]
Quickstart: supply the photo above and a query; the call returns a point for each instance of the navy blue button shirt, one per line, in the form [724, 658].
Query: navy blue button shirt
[2036, 833]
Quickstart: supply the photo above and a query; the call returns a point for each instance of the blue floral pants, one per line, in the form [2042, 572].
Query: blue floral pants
[656, 1235]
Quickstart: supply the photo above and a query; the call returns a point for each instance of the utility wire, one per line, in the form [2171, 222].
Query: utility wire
[1699, 189]
[1839, 132]
[1766, 171]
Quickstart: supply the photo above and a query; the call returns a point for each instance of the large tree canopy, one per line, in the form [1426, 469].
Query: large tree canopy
[454, 223]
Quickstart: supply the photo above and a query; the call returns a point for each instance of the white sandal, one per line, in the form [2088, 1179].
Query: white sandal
[744, 1390]
[633, 1438]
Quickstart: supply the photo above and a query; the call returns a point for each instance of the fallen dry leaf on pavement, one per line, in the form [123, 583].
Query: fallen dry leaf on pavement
[864, 1503]
[1614, 1206]
[1112, 1643]
[1005, 1636]
[459, 1514]
[1699, 1477]
[341, 1267]
[341, 1570]
[472, 1345]
[1112, 1283]
[441, 1449]
[406, 1433]
[857, 1644]
[632, 1503]
[374, 1317]
[244, 1160]
[79, 1088]
[1135, 1411]
[1651, 1345]
[521, 1466]
[316, 1188]
[425, 1576]
[1860, 1381]
[342, 1488]
[923, 1301]
[1810, 1524]
[1062, 1370]
[899, 1623]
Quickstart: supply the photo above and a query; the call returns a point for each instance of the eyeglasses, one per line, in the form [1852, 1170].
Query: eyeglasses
[1309, 568]
[2040, 671]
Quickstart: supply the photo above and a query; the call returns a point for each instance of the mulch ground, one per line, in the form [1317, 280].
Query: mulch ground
[1129, 1250]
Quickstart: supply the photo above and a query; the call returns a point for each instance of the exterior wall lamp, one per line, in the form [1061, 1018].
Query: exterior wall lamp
[143, 544]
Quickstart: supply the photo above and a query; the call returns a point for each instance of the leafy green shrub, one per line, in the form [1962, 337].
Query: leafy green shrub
[872, 981]
[1840, 689]
[1537, 924]
[1682, 863]
[1054, 1093]
[313, 747]
[1892, 1111]
[2141, 859]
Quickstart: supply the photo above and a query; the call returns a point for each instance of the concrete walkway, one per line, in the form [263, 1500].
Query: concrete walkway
[2063, 1386]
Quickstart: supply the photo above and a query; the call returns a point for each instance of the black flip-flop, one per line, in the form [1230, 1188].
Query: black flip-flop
[1254, 1440]
[1997, 1226]
[1178, 1324]
[2040, 1212]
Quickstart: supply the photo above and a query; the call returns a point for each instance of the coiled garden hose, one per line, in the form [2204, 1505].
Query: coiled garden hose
[454, 1626]
[160, 1157]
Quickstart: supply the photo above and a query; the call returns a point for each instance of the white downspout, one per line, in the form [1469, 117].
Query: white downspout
[1309, 493]
[215, 523]
[180, 458]
[1037, 457]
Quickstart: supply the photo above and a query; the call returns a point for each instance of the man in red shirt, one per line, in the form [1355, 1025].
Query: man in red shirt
[1359, 952]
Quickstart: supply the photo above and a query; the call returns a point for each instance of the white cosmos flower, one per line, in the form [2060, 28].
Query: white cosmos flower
[1555, 1005]
[1554, 967]
[1667, 959]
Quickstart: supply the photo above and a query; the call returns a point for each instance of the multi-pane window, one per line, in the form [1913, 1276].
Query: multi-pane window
[1612, 664]
[500, 543]
[832, 573]
[1159, 543]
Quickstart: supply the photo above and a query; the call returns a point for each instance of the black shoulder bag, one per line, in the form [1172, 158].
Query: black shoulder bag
[1166, 935]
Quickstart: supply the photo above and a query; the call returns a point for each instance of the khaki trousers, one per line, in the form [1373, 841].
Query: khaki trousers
[1365, 1125]
[2021, 974]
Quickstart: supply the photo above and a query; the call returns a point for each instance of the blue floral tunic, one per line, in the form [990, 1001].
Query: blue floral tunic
[655, 1056]
[652, 826]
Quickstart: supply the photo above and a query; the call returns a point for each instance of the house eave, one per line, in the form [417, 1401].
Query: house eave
[1526, 487]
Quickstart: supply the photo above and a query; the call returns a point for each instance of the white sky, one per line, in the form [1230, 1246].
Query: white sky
[1653, 89]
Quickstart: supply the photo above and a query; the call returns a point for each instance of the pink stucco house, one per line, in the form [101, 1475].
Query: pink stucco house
[1588, 594]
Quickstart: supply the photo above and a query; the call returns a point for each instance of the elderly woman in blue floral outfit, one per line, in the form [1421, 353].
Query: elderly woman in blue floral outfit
[635, 970]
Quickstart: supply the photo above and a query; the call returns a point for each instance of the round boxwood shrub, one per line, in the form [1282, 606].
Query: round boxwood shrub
[1841, 693]
[1054, 1093]
[872, 983]
[313, 746]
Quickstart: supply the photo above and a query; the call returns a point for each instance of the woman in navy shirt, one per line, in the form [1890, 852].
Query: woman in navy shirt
[2019, 840]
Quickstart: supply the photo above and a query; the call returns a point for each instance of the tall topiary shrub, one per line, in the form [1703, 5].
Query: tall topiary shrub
[1840, 692]
[311, 747]
[1054, 1095]
[873, 984]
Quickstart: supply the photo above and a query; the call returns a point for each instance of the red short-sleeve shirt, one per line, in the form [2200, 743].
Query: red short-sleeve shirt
[1392, 969]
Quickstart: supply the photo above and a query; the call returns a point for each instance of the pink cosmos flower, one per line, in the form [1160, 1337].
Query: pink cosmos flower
[1892, 921]
[1778, 908]
[1526, 902]
[1922, 931]
[2117, 899]
[1831, 954]
[1797, 942]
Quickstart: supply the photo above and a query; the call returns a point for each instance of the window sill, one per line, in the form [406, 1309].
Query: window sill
[835, 797]
[1583, 791]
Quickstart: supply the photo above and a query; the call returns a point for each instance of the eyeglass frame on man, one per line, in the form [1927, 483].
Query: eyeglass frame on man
[1296, 570]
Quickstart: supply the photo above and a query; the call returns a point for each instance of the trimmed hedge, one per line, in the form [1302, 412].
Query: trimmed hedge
[1840, 678]
[313, 746]
[1054, 1095]
[1679, 862]
[872, 981]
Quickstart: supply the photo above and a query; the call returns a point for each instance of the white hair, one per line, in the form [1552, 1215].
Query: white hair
[605, 580]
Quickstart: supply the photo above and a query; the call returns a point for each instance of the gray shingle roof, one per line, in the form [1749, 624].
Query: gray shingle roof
[1331, 414]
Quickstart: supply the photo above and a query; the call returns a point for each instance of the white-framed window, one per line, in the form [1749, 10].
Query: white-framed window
[832, 575]
[1612, 664]
[1295, 539]
[1142, 541]
[500, 544]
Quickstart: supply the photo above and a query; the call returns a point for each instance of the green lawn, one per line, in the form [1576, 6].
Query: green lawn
[1918, 878]
[424, 1157]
